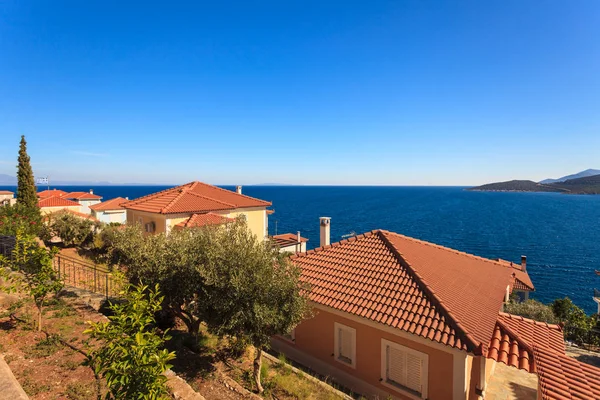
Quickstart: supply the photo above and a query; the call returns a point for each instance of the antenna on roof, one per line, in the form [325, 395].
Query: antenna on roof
[351, 234]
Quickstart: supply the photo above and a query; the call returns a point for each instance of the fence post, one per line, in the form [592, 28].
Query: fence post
[95, 273]
[106, 286]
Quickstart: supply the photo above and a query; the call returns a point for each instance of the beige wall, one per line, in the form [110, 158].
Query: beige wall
[315, 338]
[50, 210]
[256, 218]
[143, 217]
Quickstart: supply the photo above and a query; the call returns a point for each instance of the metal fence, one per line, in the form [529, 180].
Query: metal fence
[87, 276]
[7, 245]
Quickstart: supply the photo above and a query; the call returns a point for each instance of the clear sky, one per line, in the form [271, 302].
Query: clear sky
[324, 92]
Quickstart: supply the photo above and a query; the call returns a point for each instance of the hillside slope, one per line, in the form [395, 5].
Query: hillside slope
[582, 174]
[586, 185]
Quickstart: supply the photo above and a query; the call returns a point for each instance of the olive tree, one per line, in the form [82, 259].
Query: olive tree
[252, 291]
[71, 229]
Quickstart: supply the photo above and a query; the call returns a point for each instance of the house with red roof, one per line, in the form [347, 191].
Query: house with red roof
[396, 317]
[290, 242]
[52, 204]
[197, 204]
[85, 200]
[110, 211]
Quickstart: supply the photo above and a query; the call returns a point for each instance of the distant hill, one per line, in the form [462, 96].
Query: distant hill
[516, 186]
[582, 174]
[585, 185]
[7, 180]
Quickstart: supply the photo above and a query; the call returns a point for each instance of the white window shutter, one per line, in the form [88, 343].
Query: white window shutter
[414, 367]
[345, 341]
[396, 365]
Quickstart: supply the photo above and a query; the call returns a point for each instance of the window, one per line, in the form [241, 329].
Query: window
[345, 344]
[150, 227]
[404, 369]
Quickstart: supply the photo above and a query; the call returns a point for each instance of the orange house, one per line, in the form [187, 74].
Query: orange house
[400, 318]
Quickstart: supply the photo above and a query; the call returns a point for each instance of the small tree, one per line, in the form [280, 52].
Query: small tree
[132, 357]
[26, 189]
[72, 230]
[252, 291]
[577, 323]
[532, 309]
[34, 272]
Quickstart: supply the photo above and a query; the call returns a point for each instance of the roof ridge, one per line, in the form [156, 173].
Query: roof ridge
[515, 336]
[152, 195]
[164, 210]
[446, 248]
[530, 320]
[211, 199]
[475, 346]
[229, 191]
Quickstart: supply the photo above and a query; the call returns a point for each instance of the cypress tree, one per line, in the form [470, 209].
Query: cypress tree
[26, 190]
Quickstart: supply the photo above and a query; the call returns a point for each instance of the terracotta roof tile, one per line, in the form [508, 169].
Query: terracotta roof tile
[5, 192]
[82, 196]
[109, 205]
[459, 295]
[515, 337]
[52, 192]
[562, 377]
[198, 220]
[193, 197]
[287, 239]
[56, 202]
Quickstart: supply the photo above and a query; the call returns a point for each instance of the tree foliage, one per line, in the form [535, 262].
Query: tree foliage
[71, 229]
[253, 291]
[26, 189]
[532, 309]
[132, 358]
[577, 323]
[31, 271]
[18, 217]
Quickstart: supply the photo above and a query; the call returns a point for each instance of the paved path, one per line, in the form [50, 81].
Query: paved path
[9, 387]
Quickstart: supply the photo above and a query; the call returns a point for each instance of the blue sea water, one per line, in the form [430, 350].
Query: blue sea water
[559, 234]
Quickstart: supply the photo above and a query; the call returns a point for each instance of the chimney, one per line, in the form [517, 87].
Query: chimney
[91, 191]
[299, 238]
[238, 189]
[524, 263]
[126, 197]
[325, 230]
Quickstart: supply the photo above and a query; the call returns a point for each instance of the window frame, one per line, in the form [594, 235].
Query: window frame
[398, 386]
[336, 353]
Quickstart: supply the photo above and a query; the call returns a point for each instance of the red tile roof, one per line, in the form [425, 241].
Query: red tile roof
[198, 220]
[515, 337]
[52, 192]
[80, 215]
[56, 202]
[431, 291]
[82, 196]
[193, 197]
[522, 281]
[109, 205]
[287, 239]
[562, 377]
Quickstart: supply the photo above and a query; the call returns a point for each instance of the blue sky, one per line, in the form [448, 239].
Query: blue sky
[346, 92]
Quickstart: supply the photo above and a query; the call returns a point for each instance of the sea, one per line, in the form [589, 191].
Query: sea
[559, 234]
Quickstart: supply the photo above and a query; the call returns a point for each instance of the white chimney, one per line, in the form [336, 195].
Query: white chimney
[524, 263]
[299, 238]
[238, 189]
[91, 191]
[126, 197]
[325, 230]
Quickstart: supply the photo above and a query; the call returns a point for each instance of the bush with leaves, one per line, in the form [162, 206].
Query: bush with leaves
[132, 358]
[19, 217]
[577, 323]
[31, 271]
[71, 229]
[532, 309]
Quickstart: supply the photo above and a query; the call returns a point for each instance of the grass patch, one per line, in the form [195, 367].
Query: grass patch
[44, 348]
[80, 391]
[33, 388]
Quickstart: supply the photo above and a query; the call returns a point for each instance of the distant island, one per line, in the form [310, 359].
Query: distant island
[582, 184]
